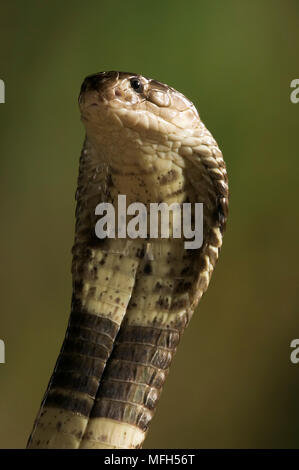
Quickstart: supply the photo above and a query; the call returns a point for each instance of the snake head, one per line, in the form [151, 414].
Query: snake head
[115, 100]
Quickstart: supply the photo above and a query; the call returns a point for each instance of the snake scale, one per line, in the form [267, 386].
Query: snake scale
[132, 298]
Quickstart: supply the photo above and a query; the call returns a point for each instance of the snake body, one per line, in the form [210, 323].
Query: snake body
[132, 298]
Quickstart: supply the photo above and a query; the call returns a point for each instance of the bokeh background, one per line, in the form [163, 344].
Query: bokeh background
[232, 384]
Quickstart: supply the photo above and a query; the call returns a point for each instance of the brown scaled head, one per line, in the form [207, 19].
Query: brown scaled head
[132, 101]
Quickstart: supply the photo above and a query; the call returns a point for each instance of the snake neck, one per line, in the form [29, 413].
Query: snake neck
[132, 298]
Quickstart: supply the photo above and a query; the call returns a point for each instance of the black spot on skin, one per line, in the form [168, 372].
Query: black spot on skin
[91, 292]
[77, 434]
[179, 304]
[177, 192]
[147, 269]
[58, 425]
[87, 253]
[183, 286]
[93, 273]
[140, 253]
[170, 176]
[185, 270]
[163, 303]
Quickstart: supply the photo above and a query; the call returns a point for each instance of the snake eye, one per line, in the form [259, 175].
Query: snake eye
[136, 85]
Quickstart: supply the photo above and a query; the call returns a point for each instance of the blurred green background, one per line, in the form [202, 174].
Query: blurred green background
[232, 383]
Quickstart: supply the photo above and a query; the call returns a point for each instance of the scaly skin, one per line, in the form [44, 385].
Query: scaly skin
[132, 298]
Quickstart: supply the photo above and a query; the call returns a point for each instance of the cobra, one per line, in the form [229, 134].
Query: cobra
[132, 298]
